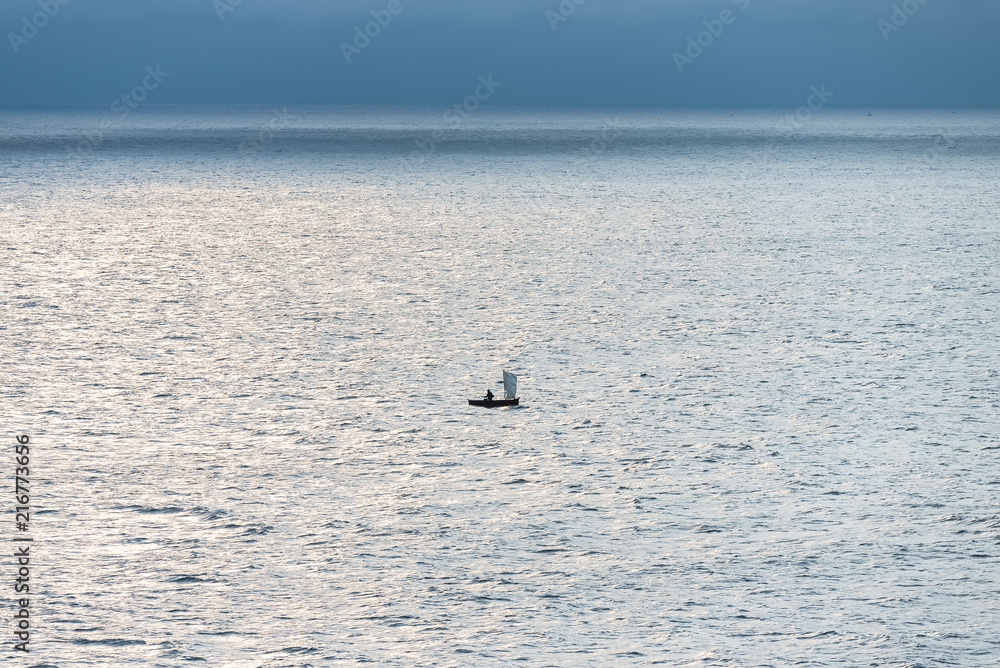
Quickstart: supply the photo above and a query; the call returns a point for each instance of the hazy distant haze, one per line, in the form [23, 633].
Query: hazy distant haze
[266, 51]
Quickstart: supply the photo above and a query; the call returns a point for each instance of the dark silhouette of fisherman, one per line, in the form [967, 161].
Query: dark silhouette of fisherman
[489, 395]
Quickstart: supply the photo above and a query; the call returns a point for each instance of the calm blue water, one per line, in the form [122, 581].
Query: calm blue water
[758, 365]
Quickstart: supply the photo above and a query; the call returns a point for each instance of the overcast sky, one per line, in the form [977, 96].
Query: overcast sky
[923, 52]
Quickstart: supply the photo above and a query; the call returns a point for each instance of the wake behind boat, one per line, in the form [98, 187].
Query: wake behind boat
[509, 392]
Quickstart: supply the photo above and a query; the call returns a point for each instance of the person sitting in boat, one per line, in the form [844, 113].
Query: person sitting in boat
[489, 395]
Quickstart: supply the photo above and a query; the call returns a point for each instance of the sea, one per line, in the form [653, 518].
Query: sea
[757, 357]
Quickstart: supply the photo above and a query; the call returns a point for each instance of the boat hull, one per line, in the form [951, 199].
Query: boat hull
[496, 403]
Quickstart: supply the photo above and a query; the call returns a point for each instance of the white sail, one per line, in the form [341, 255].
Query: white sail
[509, 385]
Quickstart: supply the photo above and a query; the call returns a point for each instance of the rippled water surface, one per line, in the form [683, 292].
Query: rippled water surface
[758, 370]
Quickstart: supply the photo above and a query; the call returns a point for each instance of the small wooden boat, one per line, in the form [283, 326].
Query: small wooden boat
[494, 403]
[509, 394]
